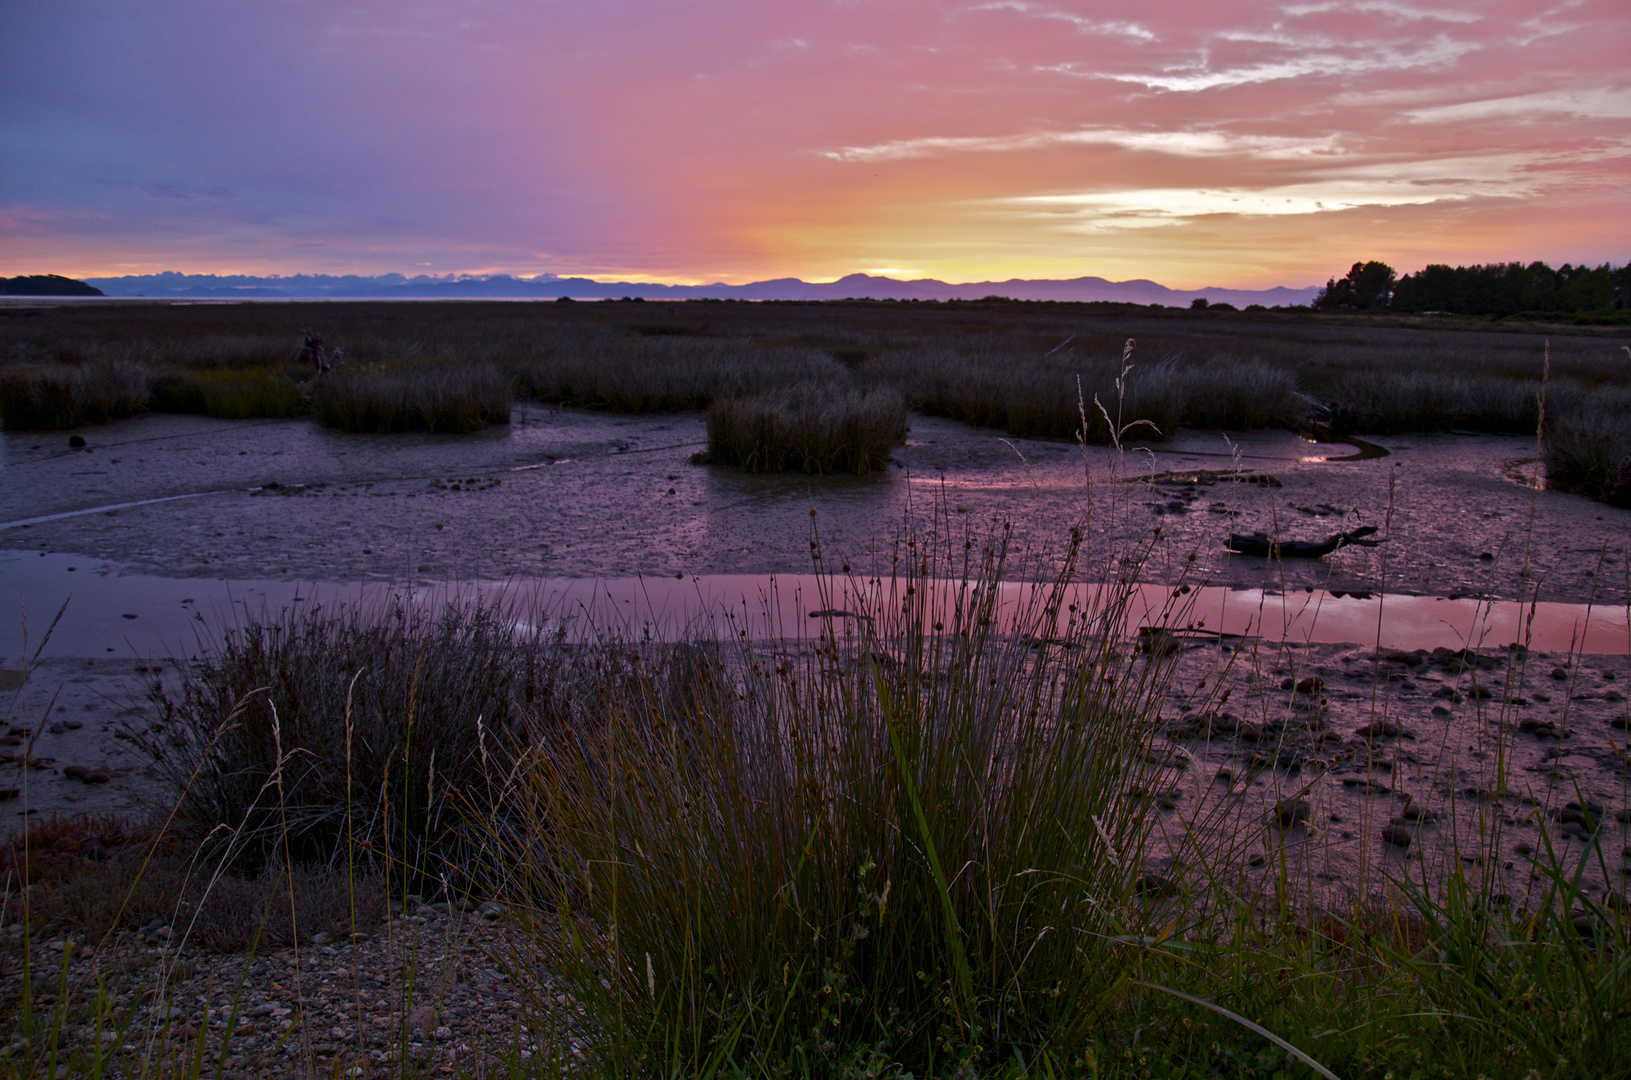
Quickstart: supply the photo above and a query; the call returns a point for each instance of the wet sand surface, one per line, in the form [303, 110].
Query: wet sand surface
[569, 494]
[1340, 769]
[1503, 747]
[60, 750]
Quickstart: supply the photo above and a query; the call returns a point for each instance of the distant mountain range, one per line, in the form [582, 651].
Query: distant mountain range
[546, 286]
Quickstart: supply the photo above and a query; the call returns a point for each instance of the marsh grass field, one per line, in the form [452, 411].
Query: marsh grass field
[1030, 369]
[454, 839]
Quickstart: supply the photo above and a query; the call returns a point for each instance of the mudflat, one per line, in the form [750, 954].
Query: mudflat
[563, 493]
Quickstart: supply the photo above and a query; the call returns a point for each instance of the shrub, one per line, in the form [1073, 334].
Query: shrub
[811, 428]
[449, 398]
[51, 397]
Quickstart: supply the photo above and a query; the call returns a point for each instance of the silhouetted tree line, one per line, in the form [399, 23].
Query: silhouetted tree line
[1495, 289]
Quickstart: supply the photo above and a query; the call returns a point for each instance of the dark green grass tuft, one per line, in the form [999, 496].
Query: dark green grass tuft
[811, 428]
[233, 393]
[909, 851]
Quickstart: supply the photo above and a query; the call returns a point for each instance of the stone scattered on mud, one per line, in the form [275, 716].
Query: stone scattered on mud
[1398, 835]
[1292, 812]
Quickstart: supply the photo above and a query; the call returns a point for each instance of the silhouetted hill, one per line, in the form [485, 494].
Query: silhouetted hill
[46, 285]
[548, 286]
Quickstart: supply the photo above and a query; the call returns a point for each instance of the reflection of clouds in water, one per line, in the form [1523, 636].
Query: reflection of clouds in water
[1007, 483]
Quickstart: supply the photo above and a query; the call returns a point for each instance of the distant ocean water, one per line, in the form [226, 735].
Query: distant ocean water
[549, 287]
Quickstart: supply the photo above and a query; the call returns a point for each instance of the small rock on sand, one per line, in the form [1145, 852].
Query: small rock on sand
[1290, 812]
[1398, 835]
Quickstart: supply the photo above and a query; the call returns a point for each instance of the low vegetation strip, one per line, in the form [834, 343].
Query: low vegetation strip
[447, 398]
[234, 393]
[52, 397]
[1030, 369]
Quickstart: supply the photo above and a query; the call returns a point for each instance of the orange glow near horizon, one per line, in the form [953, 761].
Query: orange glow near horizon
[1238, 144]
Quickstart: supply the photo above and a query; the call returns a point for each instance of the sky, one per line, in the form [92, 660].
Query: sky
[1223, 143]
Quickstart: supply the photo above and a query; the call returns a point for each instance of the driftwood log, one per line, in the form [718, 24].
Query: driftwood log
[1262, 545]
[311, 349]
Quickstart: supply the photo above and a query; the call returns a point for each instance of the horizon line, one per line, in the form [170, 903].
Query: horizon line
[649, 279]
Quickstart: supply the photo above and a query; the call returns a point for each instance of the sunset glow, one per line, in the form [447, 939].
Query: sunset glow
[1236, 144]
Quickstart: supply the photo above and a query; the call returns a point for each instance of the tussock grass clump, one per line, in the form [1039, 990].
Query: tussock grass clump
[911, 851]
[51, 397]
[233, 393]
[446, 398]
[811, 428]
[382, 732]
[1588, 445]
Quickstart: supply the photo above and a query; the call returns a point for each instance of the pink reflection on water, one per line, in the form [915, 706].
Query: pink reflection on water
[780, 606]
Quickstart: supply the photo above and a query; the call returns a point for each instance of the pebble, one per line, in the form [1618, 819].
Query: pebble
[1292, 812]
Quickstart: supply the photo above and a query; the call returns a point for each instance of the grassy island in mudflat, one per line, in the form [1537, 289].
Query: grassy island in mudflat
[936, 832]
[825, 387]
